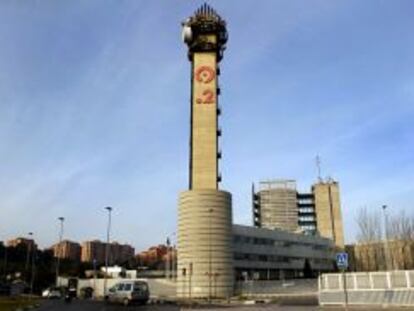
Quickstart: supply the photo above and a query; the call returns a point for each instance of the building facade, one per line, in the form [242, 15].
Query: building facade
[277, 204]
[328, 211]
[272, 254]
[67, 250]
[95, 251]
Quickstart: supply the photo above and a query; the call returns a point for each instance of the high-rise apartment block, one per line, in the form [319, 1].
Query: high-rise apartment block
[67, 250]
[95, 251]
[22, 242]
[277, 204]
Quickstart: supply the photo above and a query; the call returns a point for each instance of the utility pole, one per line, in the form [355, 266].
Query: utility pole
[108, 230]
[59, 250]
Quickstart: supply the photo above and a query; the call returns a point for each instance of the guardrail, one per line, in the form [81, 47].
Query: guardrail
[367, 288]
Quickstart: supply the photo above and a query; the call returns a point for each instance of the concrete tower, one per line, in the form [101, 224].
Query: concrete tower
[205, 255]
[328, 211]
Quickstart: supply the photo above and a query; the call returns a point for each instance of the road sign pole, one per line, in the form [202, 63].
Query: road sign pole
[345, 289]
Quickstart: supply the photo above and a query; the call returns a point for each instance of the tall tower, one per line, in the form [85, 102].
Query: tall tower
[205, 255]
[328, 211]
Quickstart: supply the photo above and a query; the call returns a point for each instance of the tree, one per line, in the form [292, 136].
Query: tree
[369, 225]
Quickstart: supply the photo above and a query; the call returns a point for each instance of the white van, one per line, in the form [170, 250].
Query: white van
[127, 292]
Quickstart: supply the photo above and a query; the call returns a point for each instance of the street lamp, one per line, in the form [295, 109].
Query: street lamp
[59, 249]
[28, 250]
[169, 260]
[109, 209]
[387, 249]
[33, 267]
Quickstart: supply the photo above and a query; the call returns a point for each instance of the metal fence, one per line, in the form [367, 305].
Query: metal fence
[385, 288]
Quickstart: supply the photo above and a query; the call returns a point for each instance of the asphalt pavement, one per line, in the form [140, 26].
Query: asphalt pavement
[85, 305]
[88, 305]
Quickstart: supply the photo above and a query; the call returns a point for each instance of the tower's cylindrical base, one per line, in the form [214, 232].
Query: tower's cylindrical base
[205, 250]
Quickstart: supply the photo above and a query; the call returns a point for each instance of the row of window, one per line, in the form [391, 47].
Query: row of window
[307, 218]
[265, 258]
[238, 239]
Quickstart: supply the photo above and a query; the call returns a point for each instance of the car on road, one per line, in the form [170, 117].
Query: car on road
[52, 293]
[128, 292]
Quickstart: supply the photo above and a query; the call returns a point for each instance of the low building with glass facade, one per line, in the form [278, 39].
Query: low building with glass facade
[266, 254]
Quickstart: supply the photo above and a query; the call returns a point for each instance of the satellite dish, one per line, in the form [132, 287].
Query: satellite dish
[187, 34]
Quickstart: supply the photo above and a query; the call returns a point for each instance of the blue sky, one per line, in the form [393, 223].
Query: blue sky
[94, 109]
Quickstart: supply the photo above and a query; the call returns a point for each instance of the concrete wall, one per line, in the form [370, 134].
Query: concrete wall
[370, 288]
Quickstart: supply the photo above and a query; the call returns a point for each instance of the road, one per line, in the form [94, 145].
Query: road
[84, 305]
[79, 305]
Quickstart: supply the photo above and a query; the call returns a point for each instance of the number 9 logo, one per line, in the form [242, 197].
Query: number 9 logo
[205, 74]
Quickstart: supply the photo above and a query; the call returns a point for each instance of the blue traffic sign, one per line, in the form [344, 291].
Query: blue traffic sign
[342, 260]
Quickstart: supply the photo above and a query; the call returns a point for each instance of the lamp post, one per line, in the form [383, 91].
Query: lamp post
[32, 277]
[387, 249]
[28, 250]
[5, 261]
[59, 249]
[108, 230]
[169, 260]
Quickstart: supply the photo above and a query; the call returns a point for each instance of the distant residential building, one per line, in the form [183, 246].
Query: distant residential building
[67, 250]
[153, 256]
[278, 205]
[95, 250]
[27, 243]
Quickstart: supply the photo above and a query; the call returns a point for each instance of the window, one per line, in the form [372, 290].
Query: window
[141, 286]
[127, 287]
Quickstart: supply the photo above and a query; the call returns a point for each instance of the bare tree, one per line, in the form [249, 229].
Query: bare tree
[369, 237]
[401, 227]
[401, 233]
[369, 226]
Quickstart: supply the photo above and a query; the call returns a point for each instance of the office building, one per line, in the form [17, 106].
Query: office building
[277, 204]
[328, 211]
[272, 254]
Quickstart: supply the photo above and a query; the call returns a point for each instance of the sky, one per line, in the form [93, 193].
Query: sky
[94, 110]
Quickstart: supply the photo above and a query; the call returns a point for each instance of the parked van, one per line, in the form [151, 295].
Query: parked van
[127, 292]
